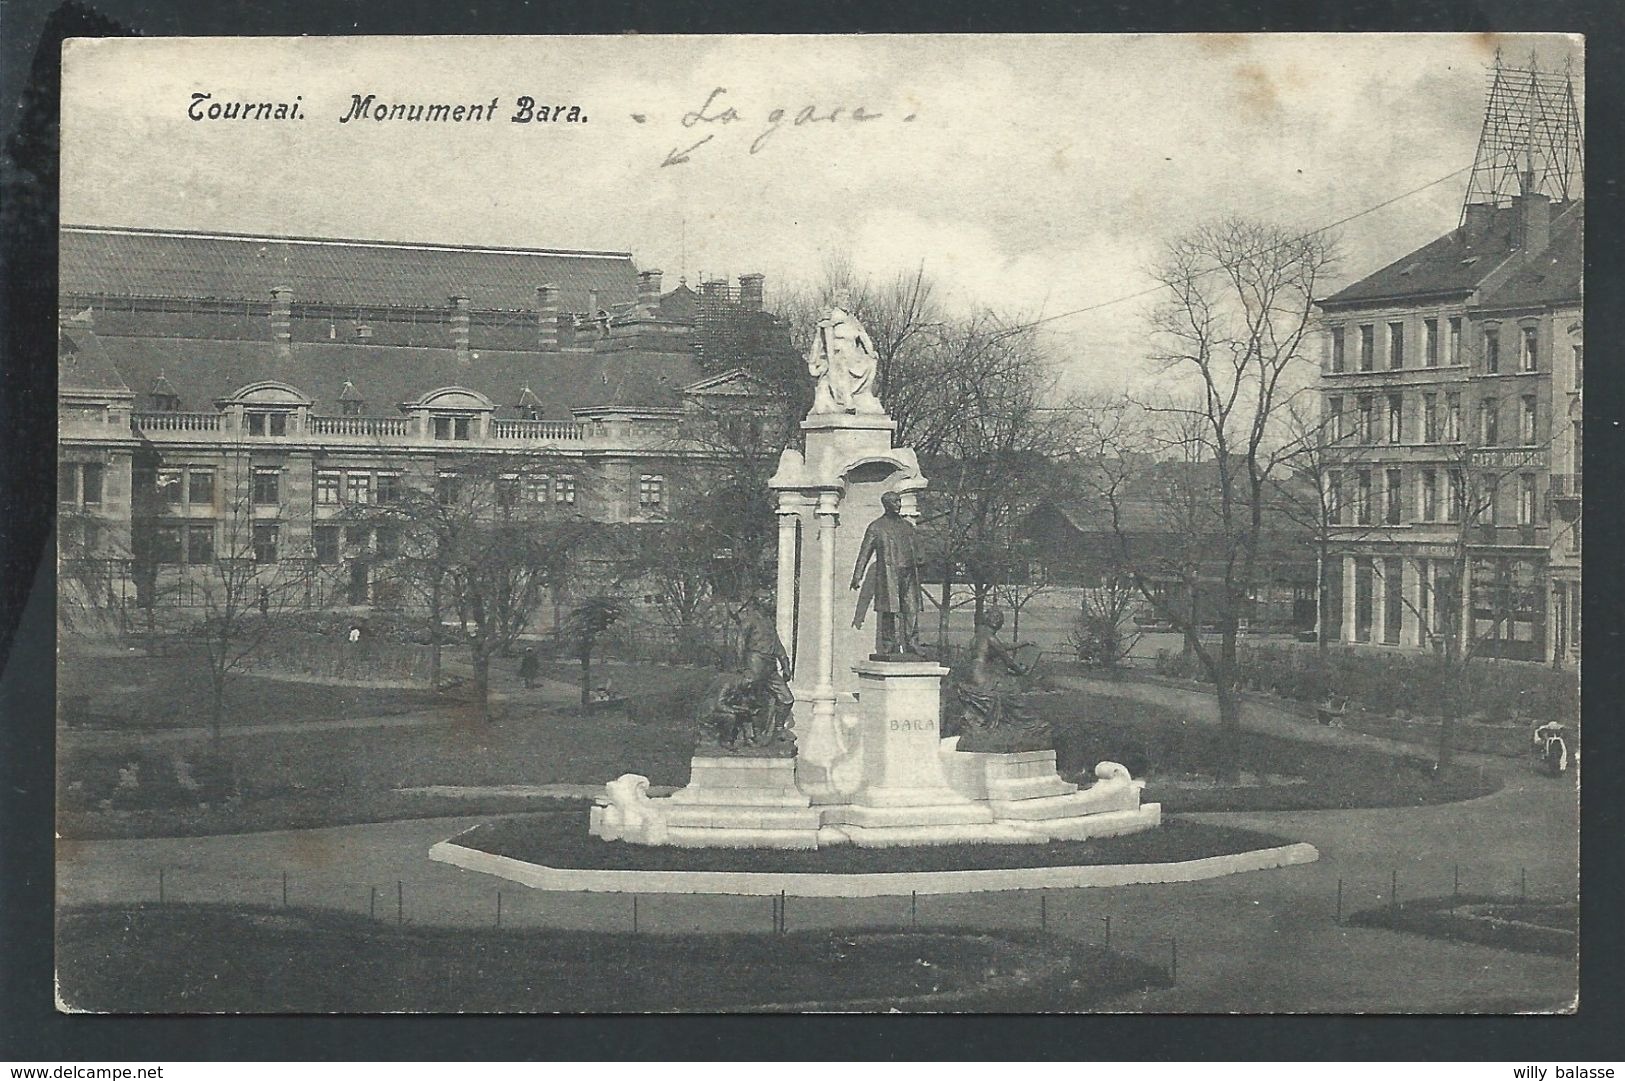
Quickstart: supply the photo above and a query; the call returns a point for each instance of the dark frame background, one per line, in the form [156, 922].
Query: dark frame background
[29, 89]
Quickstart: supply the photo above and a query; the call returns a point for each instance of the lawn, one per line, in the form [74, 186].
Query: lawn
[129, 785]
[1525, 924]
[561, 840]
[1176, 756]
[226, 959]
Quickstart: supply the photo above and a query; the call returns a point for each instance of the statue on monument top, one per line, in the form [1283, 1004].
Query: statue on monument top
[842, 359]
[892, 581]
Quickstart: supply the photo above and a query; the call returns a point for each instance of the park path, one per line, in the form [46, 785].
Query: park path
[1259, 942]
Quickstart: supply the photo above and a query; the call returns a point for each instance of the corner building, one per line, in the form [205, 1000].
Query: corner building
[1451, 382]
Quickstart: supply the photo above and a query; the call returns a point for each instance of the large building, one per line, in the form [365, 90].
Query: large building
[222, 385]
[1452, 382]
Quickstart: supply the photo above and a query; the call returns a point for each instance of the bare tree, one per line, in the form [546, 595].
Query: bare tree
[483, 543]
[1234, 328]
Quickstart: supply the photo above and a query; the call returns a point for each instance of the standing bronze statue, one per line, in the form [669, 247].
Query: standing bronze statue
[892, 583]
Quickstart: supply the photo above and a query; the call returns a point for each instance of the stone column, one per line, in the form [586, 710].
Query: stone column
[828, 511]
[1410, 628]
[785, 591]
[1351, 597]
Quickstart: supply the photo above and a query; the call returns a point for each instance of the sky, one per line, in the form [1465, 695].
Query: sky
[1032, 175]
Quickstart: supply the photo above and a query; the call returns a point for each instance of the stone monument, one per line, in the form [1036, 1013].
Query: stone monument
[867, 764]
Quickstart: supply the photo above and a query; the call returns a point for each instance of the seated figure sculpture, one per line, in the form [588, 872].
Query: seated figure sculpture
[749, 710]
[992, 717]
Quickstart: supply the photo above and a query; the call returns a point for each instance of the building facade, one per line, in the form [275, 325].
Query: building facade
[1451, 388]
[241, 398]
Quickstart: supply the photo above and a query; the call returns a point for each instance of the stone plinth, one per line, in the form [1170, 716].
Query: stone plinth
[1024, 791]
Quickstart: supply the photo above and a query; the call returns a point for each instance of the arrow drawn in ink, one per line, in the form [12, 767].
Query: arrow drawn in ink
[678, 157]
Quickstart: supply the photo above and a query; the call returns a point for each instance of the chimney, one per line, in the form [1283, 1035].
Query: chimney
[459, 327]
[750, 291]
[282, 319]
[1532, 218]
[648, 289]
[547, 318]
[1477, 221]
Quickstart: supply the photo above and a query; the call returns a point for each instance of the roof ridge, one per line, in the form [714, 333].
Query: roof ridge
[355, 242]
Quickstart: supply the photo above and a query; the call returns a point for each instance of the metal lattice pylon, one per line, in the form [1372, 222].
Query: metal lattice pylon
[1532, 139]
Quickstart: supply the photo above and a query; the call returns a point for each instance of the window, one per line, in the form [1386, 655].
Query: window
[267, 488]
[1339, 360]
[166, 544]
[1430, 342]
[1334, 417]
[265, 537]
[1396, 345]
[67, 482]
[564, 489]
[1452, 418]
[1526, 499]
[1392, 493]
[1492, 494]
[389, 488]
[507, 490]
[267, 423]
[1456, 495]
[350, 407]
[1362, 499]
[200, 544]
[1528, 433]
[356, 536]
[1429, 497]
[1367, 427]
[91, 486]
[1368, 337]
[1579, 367]
[200, 487]
[325, 539]
[1489, 415]
[327, 488]
[1578, 430]
[389, 541]
[1430, 418]
[449, 488]
[1492, 350]
[1334, 496]
[358, 488]
[451, 427]
[171, 484]
[1396, 418]
[1529, 356]
[651, 490]
[538, 487]
[1455, 341]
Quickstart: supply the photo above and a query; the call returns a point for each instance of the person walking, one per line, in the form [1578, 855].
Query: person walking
[529, 668]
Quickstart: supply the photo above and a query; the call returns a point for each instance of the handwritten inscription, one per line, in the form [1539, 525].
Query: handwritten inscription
[719, 113]
[911, 724]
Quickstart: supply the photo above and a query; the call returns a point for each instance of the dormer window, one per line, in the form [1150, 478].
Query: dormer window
[165, 399]
[456, 428]
[529, 405]
[266, 423]
[350, 400]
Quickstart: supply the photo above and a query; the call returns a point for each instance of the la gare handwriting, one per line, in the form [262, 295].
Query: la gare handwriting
[718, 113]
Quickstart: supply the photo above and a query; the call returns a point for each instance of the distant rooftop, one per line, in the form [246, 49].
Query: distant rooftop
[154, 263]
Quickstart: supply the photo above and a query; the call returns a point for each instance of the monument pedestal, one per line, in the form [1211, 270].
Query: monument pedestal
[903, 796]
[1024, 791]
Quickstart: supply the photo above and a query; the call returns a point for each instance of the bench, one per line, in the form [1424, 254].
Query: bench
[1332, 711]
